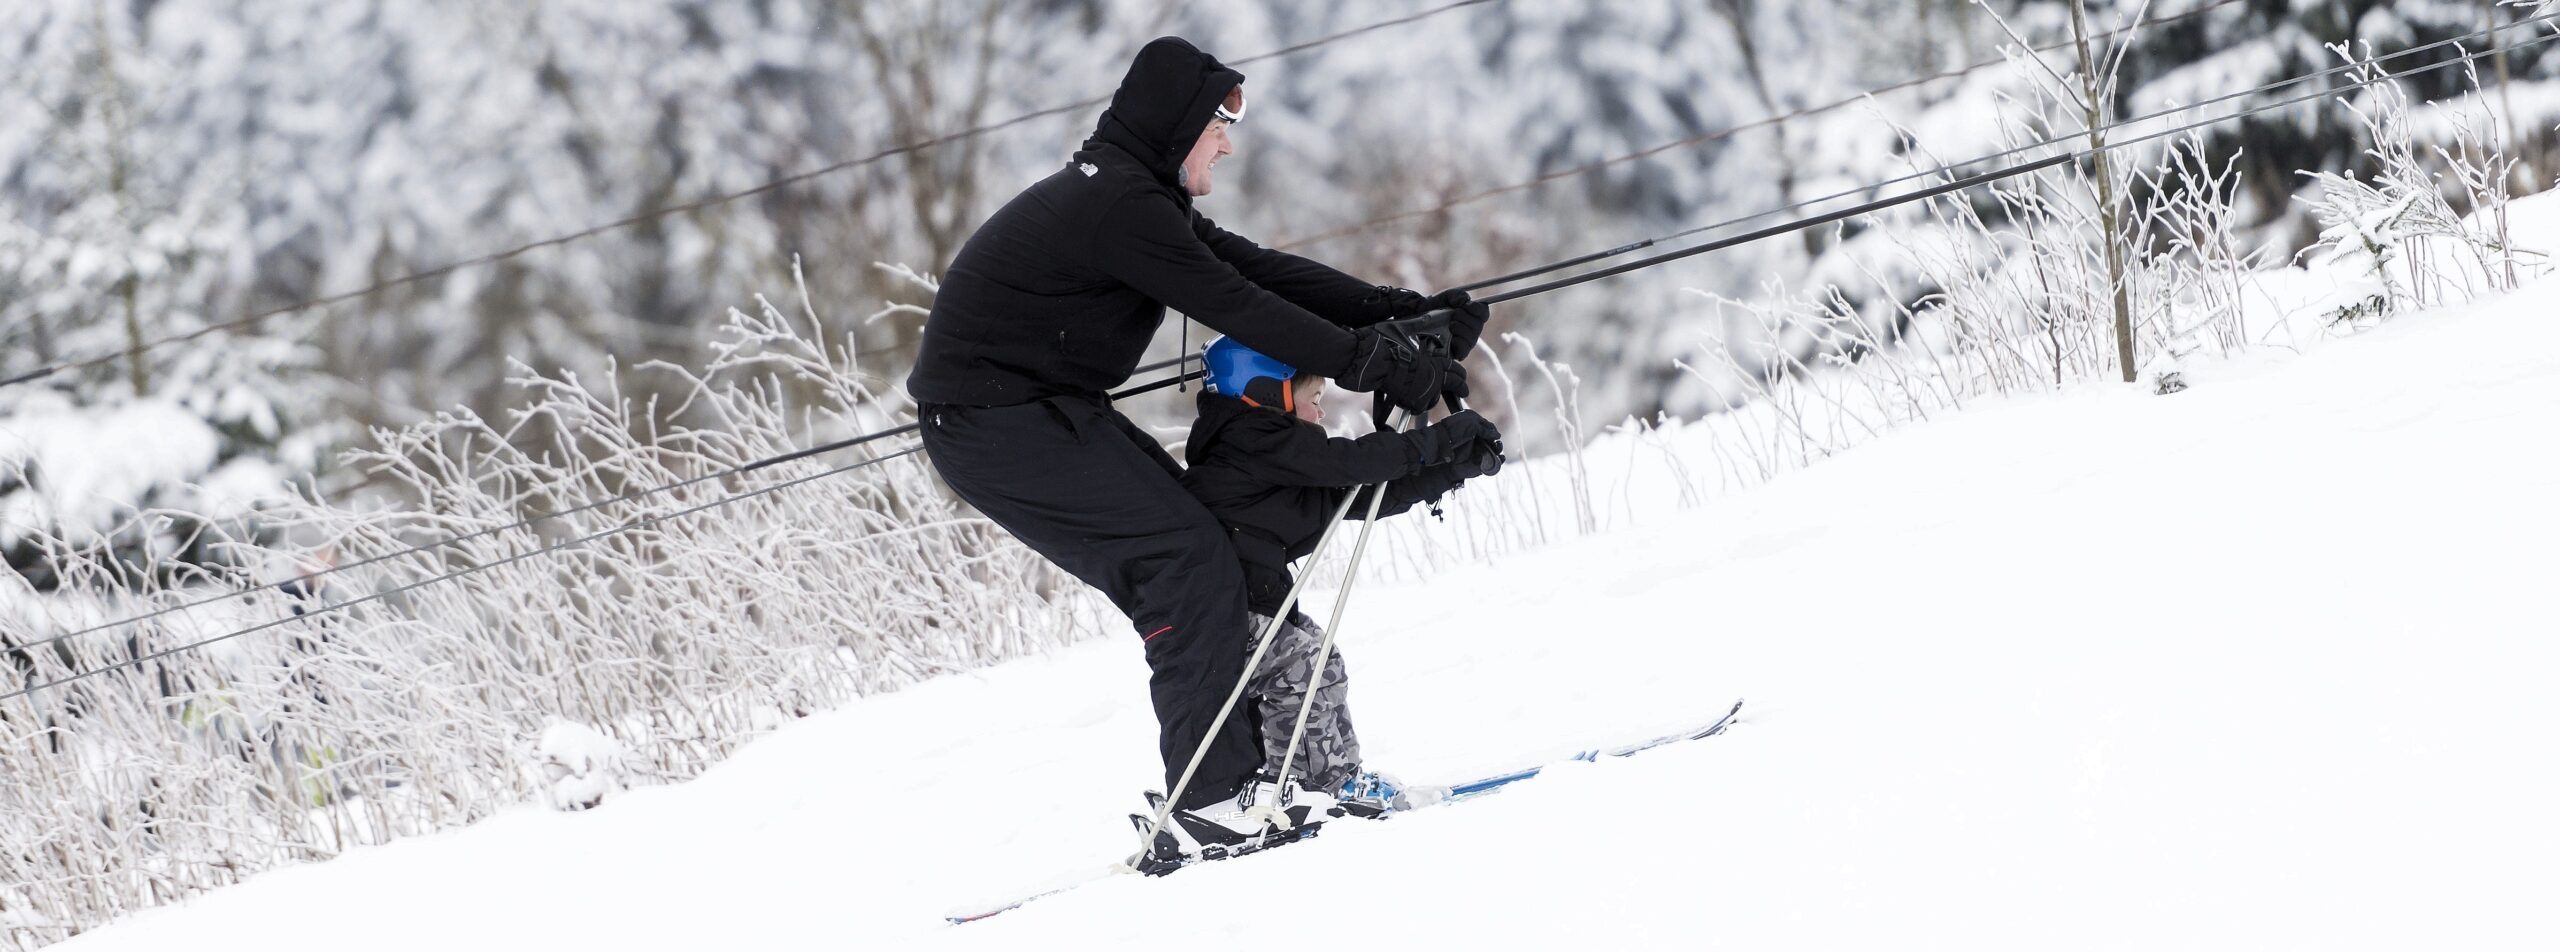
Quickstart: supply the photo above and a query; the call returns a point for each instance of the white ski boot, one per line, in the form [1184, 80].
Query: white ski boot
[1259, 816]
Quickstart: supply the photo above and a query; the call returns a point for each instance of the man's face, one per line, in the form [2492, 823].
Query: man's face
[1213, 145]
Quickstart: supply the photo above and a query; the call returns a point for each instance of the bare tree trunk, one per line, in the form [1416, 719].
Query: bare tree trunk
[2498, 55]
[2521, 178]
[1964, 38]
[133, 336]
[942, 184]
[42, 331]
[1738, 13]
[2095, 101]
[119, 176]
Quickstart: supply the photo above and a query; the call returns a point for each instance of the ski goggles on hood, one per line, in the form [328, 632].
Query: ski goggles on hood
[1232, 109]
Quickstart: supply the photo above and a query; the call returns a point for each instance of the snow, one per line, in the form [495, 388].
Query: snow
[581, 765]
[2260, 664]
[93, 465]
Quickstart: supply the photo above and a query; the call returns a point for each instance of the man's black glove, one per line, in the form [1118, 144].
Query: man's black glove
[1454, 439]
[1387, 302]
[1400, 369]
[1466, 320]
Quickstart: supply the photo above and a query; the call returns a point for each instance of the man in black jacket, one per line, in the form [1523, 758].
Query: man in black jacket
[1051, 303]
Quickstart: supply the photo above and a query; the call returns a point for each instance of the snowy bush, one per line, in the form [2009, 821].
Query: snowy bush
[579, 764]
[383, 707]
[2007, 290]
[2396, 233]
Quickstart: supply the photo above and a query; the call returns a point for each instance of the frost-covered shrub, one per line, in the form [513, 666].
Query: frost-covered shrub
[2396, 232]
[2006, 291]
[402, 693]
[580, 765]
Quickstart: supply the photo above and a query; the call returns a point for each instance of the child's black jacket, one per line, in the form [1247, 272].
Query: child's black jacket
[1273, 480]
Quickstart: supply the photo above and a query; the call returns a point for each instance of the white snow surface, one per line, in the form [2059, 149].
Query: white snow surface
[2264, 664]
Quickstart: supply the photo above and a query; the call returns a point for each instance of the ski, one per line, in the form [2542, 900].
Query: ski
[1150, 866]
[1477, 788]
[1450, 794]
[1080, 879]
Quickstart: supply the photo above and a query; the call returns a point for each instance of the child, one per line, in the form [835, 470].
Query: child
[1260, 460]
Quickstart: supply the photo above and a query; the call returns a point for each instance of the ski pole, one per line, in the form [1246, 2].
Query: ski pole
[1164, 810]
[1341, 599]
[1426, 332]
[1332, 627]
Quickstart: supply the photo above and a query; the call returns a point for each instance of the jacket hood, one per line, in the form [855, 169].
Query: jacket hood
[1220, 415]
[1216, 413]
[1167, 98]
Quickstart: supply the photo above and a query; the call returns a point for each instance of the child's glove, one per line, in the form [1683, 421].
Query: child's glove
[1456, 438]
[1480, 458]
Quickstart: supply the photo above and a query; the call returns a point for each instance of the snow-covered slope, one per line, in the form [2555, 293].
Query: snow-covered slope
[2263, 664]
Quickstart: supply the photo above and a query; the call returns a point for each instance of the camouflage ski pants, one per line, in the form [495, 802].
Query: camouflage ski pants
[1329, 753]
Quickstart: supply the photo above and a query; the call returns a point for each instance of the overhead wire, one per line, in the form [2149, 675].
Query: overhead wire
[642, 522]
[1970, 181]
[662, 212]
[600, 229]
[528, 521]
[1941, 188]
[2042, 143]
[1729, 132]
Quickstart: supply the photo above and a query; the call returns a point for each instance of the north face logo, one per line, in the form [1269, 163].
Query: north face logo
[1088, 169]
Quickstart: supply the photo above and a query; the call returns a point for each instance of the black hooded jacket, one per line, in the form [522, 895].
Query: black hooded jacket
[1059, 292]
[1273, 481]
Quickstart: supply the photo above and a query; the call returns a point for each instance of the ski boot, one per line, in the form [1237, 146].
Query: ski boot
[1261, 815]
[1370, 794]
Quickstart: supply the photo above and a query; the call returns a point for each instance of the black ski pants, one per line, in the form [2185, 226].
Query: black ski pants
[1089, 490]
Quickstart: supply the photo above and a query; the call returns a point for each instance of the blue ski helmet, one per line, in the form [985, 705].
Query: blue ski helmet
[1258, 379]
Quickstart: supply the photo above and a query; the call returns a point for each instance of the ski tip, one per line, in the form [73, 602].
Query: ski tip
[1730, 717]
[974, 913]
[964, 917]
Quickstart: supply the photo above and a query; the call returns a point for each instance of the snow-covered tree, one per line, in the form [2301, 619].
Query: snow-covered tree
[112, 237]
